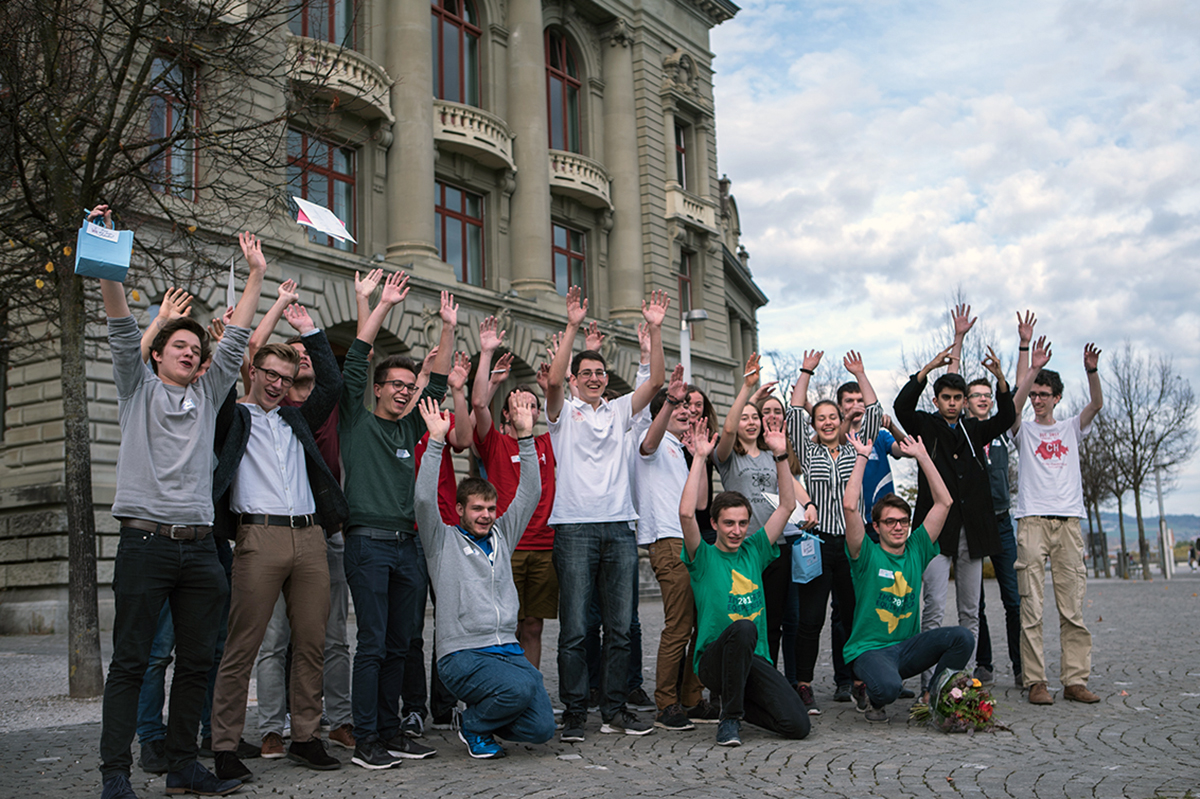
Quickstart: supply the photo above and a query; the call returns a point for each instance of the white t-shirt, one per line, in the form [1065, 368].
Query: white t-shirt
[1049, 480]
[592, 482]
[661, 476]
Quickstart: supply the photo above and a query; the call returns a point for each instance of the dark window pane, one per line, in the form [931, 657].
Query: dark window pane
[318, 19]
[453, 199]
[473, 203]
[468, 13]
[435, 35]
[560, 236]
[471, 70]
[561, 278]
[576, 241]
[475, 255]
[450, 64]
[557, 138]
[454, 246]
[573, 120]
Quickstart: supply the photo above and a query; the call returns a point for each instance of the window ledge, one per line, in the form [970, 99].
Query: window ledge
[690, 209]
[359, 84]
[473, 132]
[580, 178]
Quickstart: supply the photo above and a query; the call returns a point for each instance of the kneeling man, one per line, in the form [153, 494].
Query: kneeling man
[886, 645]
[470, 568]
[731, 640]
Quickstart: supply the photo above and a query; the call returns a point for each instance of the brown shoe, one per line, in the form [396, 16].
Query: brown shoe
[272, 746]
[343, 736]
[1038, 695]
[1080, 693]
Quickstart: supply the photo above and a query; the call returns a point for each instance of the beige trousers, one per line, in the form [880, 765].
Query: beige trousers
[679, 623]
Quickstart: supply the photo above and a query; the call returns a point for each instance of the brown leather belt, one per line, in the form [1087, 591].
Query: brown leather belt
[178, 532]
[308, 520]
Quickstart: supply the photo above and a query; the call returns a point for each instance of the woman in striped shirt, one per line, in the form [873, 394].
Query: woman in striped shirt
[826, 460]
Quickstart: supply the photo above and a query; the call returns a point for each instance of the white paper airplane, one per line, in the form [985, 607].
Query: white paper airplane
[322, 219]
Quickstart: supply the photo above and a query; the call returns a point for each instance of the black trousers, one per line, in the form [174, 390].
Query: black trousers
[751, 688]
[814, 600]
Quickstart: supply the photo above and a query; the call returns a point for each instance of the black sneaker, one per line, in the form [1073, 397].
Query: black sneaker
[876, 715]
[117, 787]
[842, 693]
[572, 731]
[373, 755]
[806, 696]
[413, 725]
[405, 747]
[860, 697]
[245, 750]
[729, 732]
[626, 723]
[195, 778]
[229, 766]
[672, 717]
[313, 754]
[638, 699]
[705, 712]
[984, 675]
[153, 758]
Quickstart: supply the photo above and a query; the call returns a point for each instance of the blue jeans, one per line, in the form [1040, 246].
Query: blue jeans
[504, 695]
[1010, 597]
[600, 558]
[153, 695]
[151, 570]
[388, 580]
[594, 648]
[884, 670]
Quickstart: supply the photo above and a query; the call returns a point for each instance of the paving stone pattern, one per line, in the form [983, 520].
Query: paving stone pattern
[1142, 740]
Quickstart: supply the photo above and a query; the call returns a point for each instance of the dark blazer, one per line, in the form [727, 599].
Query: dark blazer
[959, 456]
[233, 433]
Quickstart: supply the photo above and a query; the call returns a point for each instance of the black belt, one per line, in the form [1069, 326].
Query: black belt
[179, 532]
[1057, 518]
[308, 520]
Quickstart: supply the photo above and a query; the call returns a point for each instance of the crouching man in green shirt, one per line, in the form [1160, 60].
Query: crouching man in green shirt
[886, 645]
[731, 639]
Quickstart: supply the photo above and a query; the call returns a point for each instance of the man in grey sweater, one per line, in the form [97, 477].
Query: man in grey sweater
[470, 569]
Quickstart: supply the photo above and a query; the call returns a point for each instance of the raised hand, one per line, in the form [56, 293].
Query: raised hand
[963, 321]
[98, 211]
[643, 331]
[395, 289]
[437, 422]
[991, 362]
[763, 392]
[175, 303]
[216, 330]
[913, 447]
[543, 377]
[812, 359]
[861, 447]
[703, 442]
[1040, 354]
[228, 315]
[655, 311]
[297, 316]
[576, 308]
[449, 309]
[1025, 326]
[594, 338]
[502, 369]
[1091, 357]
[490, 335]
[553, 343]
[854, 363]
[938, 361]
[776, 441]
[676, 388]
[365, 286]
[752, 374]
[521, 415]
[459, 371]
[252, 250]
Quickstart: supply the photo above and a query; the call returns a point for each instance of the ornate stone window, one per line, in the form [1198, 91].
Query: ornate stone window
[456, 35]
[325, 20]
[171, 96]
[562, 93]
[458, 231]
[569, 252]
[323, 173]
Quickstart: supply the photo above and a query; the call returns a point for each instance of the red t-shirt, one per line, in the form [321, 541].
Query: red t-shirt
[327, 439]
[500, 456]
[447, 482]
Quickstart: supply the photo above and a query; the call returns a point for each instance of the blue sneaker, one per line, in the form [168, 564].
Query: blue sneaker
[481, 747]
[117, 787]
[729, 732]
[195, 778]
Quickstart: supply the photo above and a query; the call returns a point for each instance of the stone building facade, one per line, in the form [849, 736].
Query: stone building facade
[501, 149]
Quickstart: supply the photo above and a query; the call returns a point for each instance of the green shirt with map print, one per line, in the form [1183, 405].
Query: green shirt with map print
[887, 593]
[727, 587]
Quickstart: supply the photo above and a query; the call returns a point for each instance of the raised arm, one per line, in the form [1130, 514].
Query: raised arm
[855, 530]
[854, 365]
[262, 334]
[364, 287]
[702, 447]
[1025, 327]
[777, 443]
[243, 313]
[456, 381]
[935, 519]
[812, 359]
[962, 325]
[529, 486]
[116, 306]
[490, 338]
[1037, 358]
[654, 312]
[750, 380]
[576, 313]
[676, 394]
[175, 304]
[425, 503]
[395, 289]
[1091, 365]
[448, 311]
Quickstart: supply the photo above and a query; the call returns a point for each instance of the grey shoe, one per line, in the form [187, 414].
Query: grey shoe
[638, 699]
[984, 675]
[876, 715]
[674, 718]
[626, 723]
[413, 725]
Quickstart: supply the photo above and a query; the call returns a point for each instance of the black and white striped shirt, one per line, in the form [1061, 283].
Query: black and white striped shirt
[824, 477]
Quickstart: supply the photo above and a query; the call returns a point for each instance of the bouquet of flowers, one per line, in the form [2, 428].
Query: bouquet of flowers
[958, 703]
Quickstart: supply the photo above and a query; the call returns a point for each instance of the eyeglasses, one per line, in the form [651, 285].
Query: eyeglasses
[1040, 395]
[588, 374]
[274, 377]
[978, 395]
[899, 521]
[399, 385]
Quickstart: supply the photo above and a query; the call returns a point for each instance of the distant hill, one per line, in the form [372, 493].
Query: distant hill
[1185, 527]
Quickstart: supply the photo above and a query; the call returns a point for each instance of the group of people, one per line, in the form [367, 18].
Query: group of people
[248, 518]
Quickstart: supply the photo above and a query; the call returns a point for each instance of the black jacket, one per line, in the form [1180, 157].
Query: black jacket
[233, 433]
[959, 456]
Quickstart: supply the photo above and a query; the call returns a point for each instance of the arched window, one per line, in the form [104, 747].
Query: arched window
[562, 93]
[456, 51]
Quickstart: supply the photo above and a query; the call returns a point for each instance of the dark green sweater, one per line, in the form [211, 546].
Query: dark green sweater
[378, 455]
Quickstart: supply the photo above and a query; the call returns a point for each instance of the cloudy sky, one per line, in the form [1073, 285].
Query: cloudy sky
[1038, 154]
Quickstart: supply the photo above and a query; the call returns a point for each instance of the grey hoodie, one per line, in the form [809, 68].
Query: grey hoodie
[477, 601]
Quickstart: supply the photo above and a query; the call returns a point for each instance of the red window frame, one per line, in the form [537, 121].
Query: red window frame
[174, 107]
[561, 68]
[307, 169]
[301, 21]
[575, 259]
[457, 19]
[442, 213]
[681, 154]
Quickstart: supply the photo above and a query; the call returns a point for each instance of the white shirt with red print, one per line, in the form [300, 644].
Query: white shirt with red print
[1049, 481]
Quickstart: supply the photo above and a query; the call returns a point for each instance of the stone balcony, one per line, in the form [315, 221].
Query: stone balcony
[690, 208]
[473, 132]
[357, 83]
[580, 178]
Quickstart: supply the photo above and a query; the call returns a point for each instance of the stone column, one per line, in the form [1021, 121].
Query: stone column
[410, 159]
[626, 276]
[702, 128]
[529, 235]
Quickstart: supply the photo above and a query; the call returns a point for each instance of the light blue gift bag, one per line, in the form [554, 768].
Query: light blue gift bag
[806, 558]
[103, 252]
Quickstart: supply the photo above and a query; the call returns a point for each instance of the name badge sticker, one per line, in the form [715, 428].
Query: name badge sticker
[402, 453]
[887, 575]
[188, 404]
[516, 458]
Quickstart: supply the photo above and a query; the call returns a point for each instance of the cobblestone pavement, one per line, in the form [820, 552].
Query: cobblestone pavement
[1142, 740]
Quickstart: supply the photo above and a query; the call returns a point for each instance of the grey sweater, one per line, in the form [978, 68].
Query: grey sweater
[476, 599]
[165, 464]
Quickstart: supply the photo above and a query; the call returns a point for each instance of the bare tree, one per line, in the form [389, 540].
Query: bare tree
[143, 106]
[1152, 410]
[1096, 466]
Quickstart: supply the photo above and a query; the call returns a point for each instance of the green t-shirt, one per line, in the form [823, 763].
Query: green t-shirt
[887, 593]
[727, 587]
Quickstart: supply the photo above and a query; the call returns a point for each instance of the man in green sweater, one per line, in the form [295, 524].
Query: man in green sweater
[384, 564]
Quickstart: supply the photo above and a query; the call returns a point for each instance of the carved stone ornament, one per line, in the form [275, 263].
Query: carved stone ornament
[679, 73]
[619, 34]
